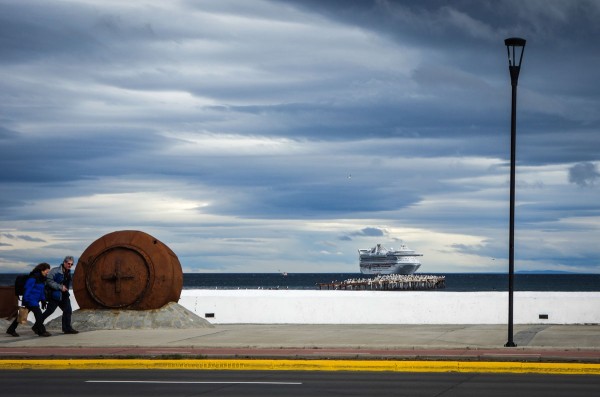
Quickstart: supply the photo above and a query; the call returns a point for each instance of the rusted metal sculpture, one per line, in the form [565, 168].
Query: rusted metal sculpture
[127, 269]
[8, 302]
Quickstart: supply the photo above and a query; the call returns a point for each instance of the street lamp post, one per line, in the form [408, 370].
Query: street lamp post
[515, 47]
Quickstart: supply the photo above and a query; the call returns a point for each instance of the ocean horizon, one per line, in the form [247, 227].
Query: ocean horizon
[455, 282]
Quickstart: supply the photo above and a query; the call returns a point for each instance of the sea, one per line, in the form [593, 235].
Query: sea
[457, 282]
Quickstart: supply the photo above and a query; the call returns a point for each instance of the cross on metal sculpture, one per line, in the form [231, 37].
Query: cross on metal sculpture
[117, 276]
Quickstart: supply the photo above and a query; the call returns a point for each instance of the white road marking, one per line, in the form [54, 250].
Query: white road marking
[192, 382]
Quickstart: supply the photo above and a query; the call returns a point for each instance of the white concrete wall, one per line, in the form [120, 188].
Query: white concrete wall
[391, 307]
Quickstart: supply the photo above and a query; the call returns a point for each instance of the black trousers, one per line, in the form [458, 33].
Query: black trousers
[38, 327]
[65, 306]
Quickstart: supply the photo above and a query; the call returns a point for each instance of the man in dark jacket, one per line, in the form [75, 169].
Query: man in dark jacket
[57, 285]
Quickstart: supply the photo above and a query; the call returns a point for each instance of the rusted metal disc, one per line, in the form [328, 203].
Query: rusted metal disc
[127, 270]
[119, 276]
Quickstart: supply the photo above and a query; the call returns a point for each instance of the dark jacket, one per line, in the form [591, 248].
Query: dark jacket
[57, 277]
[34, 290]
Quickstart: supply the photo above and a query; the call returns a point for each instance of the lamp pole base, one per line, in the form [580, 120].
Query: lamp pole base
[510, 343]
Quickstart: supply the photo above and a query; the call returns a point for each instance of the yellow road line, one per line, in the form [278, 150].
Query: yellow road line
[308, 365]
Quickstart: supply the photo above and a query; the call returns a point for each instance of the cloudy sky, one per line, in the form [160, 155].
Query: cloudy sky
[273, 135]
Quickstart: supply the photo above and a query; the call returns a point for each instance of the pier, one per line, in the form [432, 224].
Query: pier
[389, 282]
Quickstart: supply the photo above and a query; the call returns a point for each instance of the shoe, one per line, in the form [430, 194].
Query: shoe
[71, 331]
[12, 333]
[35, 330]
[45, 333]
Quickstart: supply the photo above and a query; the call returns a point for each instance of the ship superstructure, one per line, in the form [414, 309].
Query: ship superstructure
[380, 260]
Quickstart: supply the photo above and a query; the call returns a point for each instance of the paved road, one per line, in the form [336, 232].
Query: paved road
[291, 383]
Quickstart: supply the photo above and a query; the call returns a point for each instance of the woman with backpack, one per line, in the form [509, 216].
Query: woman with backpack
[33, 295]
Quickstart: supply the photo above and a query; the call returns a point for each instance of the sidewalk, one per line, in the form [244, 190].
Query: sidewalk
[535, 343]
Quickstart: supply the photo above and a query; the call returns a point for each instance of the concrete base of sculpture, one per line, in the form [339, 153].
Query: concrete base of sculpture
[170, 316]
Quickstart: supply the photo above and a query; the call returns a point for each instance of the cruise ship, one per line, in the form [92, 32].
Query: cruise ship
[380, 260]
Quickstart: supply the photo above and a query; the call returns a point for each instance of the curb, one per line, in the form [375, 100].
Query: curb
[307, 365]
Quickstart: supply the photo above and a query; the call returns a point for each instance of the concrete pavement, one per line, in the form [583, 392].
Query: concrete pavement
[536, 343]
[175, 338]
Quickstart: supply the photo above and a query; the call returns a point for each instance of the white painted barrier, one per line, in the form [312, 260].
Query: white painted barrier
[390, 307]
[386, 307]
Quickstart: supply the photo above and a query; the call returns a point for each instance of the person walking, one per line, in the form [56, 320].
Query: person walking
[58, 284]
[34, 294]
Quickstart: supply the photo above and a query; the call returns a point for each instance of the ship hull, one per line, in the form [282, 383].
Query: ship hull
[389, 268]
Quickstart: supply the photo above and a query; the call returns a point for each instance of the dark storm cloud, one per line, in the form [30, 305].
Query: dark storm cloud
[470, 35]
[584, 174]
[365, 232]
[71, 158]
[42, 31]
[370, 231]
[22, 237]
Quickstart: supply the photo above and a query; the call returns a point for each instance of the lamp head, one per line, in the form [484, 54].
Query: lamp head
[515, 47]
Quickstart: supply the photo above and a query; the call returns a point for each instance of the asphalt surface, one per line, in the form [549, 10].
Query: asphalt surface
[293, 383]
[474, 343]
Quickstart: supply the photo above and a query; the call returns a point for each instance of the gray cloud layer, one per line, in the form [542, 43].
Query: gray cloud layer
[243, 132]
